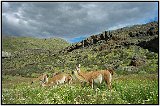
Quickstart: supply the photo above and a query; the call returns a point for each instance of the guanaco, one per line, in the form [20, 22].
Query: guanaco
[59, 78]
[55, 73]
[41, 78]
[94, 76]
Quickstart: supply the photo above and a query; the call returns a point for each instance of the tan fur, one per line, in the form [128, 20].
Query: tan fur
[56, 73]
[60, 78]
[40, 78]
[95, 77]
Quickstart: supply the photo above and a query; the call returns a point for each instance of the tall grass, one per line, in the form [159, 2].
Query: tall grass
[130, 89]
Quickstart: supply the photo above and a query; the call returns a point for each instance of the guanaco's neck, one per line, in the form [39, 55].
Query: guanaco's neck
[79, 76]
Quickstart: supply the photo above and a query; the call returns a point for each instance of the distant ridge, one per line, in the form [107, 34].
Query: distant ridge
[122, 36]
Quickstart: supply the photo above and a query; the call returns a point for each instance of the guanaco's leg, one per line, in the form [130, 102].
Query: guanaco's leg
[70, 80]
[108, 79]
[91, 83]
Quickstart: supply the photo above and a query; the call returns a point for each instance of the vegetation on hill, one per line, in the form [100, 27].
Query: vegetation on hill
[28, 54]
[19, 44]
[126, 50]
[35, 56]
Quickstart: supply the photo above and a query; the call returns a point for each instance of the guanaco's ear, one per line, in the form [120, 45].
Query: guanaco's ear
[47, 75]
[72, 72]
[45, 78]
[76, 68]
[79, 65]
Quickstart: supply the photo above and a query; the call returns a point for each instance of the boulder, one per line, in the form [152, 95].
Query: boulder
[6, 54]
[79, 44]
[152, 31]
[151, 45]
[137, 61]
[130, 69]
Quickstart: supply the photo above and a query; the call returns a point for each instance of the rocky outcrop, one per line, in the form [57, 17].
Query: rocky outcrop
[6, 54]
[95, 38]
[151, 45]
[137, 34]
[150, 32]
[122, 37]
[104, 36]
[137, 61]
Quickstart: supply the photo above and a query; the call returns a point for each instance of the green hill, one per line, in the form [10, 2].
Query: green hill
[123, 51]
[12, 44]
[28, 52]
[132, 52]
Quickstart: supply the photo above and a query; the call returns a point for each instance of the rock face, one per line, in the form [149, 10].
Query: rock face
[150, 32]
[95, 38]
[137, 61]
[104, 36]
[151, 45]
[123, 36]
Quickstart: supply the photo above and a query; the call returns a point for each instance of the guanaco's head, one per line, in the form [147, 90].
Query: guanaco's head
[78, 68]
[42, 78]
[111, 71]
[45, 78]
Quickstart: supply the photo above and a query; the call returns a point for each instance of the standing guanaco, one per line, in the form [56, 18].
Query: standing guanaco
[94, 76]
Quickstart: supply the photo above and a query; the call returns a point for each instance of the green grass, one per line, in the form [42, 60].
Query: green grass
[127, 89]
[34, 55]
[19, 44]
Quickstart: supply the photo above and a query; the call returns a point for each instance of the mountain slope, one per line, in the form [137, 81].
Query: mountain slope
[124, 36]
[122, 50]
[12, 44]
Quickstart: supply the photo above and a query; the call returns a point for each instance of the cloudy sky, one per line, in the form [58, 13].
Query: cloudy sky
[73, 21]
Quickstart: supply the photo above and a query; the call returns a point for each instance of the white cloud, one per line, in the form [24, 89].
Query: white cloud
[72, 19]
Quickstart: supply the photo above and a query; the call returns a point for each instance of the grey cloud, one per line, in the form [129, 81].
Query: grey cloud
[71, 19]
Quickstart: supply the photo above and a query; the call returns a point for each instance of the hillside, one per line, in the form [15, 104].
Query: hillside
[13, 44]
[133, 35]
[27, 51]
[132, 52]
[125, 50]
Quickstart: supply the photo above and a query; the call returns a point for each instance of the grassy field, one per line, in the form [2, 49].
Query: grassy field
[127, 89]
[136, 68]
